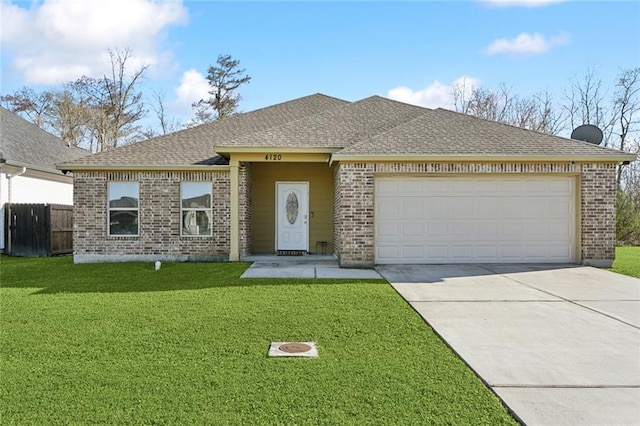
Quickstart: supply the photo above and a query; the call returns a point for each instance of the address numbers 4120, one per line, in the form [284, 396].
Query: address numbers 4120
[273, 157]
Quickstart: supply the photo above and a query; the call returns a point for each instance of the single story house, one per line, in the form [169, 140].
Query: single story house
[28, 173]
[374, 181]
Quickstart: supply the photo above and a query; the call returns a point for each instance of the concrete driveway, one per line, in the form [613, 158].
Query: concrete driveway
[560, 344]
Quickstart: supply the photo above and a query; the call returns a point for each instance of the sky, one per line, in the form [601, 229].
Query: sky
[409, 51]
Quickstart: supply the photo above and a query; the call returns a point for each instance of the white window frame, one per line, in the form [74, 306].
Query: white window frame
[208, 210]
[132, 209]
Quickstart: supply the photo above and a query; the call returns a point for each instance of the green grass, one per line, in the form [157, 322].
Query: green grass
[125, 344]
[627, 261]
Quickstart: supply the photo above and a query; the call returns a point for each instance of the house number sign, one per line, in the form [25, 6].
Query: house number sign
[273, 157]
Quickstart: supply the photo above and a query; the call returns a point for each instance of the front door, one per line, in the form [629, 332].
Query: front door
[292, 216]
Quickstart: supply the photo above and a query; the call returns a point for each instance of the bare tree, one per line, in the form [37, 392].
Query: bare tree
[112, 104]
[537, 112]
[224, 79]
[167, 125]
[71, 119]
[461, 91]
[626, 104]
[492, 104]
[549, 116]
[35, 107]
[97, 114]
[587, 104]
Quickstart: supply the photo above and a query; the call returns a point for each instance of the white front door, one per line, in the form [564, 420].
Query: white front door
[292, 216]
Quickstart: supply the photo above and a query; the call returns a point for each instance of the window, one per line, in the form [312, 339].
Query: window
[195, 202]
[123, 208]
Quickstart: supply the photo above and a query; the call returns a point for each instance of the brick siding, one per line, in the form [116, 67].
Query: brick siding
[354, 203]
[598, 205]
[159, 220]
[244, 192]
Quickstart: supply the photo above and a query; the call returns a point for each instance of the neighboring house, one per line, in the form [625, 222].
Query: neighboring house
[378, 181]
[28, 174]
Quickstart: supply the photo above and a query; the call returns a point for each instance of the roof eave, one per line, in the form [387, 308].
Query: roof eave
[36, 172]
[20, 164]
[221, 149]
[140, 167]
[602, 158]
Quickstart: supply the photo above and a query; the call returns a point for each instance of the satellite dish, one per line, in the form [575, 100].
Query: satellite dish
[588, 133]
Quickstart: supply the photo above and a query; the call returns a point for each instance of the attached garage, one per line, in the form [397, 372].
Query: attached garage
[475, 219]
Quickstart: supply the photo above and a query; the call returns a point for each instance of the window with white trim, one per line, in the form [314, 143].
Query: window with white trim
[123, 207]
[195, 206]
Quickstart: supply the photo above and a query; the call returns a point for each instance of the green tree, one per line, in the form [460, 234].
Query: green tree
[224, 79]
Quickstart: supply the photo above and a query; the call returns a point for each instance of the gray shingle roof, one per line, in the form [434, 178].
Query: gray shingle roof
[444, 132]
[24, 143]
[196, 145]
[335, 128]
[374, 126]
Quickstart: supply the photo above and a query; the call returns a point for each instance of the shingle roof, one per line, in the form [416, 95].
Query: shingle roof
[334, 128]
[374, 126]
[196, 145]
[24, 143]
[444, 132]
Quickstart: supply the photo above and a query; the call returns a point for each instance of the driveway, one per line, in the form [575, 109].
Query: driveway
[559, 344]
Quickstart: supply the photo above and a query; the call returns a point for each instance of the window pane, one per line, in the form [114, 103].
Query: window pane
[196, 195]
[196, 222]
[123, 194]
[123, 222]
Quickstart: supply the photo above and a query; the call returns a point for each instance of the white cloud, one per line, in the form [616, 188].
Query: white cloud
[525, 3]
[193, 87]
[59, 40]
[526, 44]
[436, 95]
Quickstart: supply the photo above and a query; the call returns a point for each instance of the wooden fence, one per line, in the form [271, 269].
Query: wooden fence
[38, 229]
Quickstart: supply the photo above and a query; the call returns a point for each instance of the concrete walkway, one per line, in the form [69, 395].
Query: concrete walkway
[308, 266]
[560, 345]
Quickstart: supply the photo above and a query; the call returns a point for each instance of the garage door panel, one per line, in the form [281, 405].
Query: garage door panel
[412, 230]
[390, 208]
[437, 228]
[411, 209]
[435, 210]
[511, 253]
[386, 252]
[462, 253]
[387, 186]
[472, 220]
[411, 187]
[387, 229]
[410, 252]
[487, 253]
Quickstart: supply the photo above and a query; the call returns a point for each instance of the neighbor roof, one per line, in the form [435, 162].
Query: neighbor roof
[24, 144]
[374, 127]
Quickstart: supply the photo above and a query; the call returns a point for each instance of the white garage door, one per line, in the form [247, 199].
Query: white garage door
[475, 220]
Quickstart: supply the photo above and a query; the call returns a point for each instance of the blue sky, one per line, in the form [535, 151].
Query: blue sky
[410, 51]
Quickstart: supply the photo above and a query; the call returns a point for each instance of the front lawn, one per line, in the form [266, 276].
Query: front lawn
[627, 261]
[125, 344]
